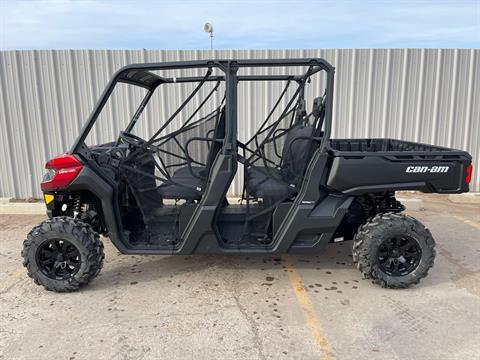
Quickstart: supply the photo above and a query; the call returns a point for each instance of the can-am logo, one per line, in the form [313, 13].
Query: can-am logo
[427, 169]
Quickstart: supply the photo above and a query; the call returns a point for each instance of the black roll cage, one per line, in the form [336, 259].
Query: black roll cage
[200, 226]
[141, 75]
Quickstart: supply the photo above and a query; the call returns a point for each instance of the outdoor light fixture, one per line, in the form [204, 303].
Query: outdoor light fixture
[208, 28]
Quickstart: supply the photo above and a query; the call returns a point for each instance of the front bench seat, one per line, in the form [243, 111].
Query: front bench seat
[187, 183]
[183, 184]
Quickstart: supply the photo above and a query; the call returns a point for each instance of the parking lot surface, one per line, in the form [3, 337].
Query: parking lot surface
[249, 306]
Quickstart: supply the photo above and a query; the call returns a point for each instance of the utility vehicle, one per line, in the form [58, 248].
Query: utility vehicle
[164, 190]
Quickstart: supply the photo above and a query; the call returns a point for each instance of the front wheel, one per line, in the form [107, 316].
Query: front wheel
[62, 254]
[393, 250]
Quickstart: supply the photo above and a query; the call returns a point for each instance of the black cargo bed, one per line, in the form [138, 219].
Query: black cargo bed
[375, 165]
[365, 146]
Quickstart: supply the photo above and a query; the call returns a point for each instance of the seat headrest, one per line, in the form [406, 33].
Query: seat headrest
[296, 151]
[317, 106]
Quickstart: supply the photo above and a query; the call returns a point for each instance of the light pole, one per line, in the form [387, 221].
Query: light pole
[208, 28]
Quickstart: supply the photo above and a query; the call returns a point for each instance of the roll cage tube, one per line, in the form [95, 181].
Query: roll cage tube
[139, 111]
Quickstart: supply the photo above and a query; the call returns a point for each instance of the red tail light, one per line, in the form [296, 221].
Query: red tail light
[468, 178]
[62, 170]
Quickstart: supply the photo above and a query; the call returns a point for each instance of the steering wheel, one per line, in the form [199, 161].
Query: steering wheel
[131, 139]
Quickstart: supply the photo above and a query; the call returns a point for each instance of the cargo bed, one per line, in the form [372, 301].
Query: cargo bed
[374, 165]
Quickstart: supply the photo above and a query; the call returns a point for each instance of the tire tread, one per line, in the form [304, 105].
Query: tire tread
[83, 233]
[363, 246]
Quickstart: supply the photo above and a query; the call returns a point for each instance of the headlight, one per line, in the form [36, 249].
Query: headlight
[49, 175]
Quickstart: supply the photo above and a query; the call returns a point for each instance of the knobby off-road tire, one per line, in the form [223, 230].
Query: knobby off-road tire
[77, 241]
[369, 249]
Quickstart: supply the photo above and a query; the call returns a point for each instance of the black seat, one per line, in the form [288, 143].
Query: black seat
[267, 184]
[183, 184]
[187, 182]
[273, 184]
[296, 153]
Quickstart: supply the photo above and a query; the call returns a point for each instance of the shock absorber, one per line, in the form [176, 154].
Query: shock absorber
[76, 205]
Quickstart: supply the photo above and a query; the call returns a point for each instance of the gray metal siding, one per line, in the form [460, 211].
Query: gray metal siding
[425, 95]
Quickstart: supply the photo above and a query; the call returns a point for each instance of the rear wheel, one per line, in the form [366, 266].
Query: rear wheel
[62, 254]
[394, 250]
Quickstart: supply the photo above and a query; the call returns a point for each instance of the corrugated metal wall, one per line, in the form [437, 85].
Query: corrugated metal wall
[425, 95]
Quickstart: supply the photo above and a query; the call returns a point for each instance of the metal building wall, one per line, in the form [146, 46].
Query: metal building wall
[425, 95]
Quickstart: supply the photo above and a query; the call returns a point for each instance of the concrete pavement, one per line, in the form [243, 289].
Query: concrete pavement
[249, 307]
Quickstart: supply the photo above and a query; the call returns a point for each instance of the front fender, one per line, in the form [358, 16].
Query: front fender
[88, 180]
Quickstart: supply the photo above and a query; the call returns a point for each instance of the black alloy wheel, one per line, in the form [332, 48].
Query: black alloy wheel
[58, 259]
[399, 255]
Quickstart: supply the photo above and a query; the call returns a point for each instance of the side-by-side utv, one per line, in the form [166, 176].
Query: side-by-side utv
[162, 189]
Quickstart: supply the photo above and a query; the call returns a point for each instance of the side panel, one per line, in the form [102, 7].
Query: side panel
[355, 175]
[200, 234]
[314, 216]
[312, 227]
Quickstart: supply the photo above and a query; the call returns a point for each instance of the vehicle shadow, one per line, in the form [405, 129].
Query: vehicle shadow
[334, 262]
[122, 270]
